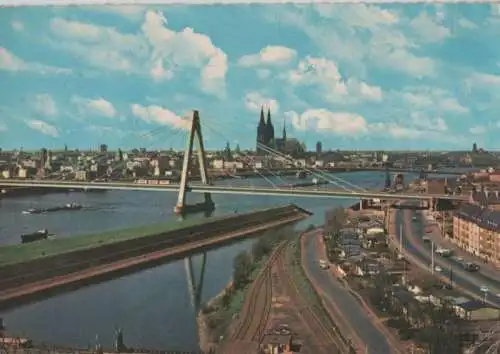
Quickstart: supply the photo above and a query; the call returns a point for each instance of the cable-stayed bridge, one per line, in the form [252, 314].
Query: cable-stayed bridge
[341, 188]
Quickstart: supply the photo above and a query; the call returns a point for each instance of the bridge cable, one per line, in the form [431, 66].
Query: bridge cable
[324, 176]
[251, 158]
[260, 174]
[319, 171]
[283, 156]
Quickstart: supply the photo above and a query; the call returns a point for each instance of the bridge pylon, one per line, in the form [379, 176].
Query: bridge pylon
[207, 205]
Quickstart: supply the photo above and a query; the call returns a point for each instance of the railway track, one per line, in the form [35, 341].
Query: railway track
[256, 309]
[326, 339]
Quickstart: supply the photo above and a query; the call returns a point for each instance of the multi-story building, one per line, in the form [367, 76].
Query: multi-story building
[476, 229]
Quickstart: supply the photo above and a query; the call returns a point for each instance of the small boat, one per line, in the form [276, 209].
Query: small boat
[72, 206]
[33, 211]
[301, 175]
[35, 236]
[69, 206]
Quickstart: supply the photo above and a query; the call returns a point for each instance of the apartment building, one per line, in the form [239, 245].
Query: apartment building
[476, 229]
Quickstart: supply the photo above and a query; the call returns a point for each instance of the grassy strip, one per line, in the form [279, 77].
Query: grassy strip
[307, 290]
[25, 252]
[12, 254]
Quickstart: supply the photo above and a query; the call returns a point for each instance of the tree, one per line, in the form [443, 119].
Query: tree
[261, 248]
[335, 220]
[242, 267]
[381, 288]
[442, 330]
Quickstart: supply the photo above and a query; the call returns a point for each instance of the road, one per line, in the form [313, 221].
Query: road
[413, 243]
[352, 310]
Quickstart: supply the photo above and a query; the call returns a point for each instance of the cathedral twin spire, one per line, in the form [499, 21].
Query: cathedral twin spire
[265, 130]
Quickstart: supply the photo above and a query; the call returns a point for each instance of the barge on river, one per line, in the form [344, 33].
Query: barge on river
[67, 207]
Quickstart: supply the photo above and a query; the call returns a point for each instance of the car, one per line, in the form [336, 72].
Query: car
[484, 289]
[471, 267]
[438, 269]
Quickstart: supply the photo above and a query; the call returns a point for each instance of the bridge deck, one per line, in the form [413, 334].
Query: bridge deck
[199, 188]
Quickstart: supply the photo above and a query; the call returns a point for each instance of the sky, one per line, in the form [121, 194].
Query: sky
[351, 76]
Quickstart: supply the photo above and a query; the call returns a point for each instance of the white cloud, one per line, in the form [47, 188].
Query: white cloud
[186, 49]
[414, 129]
[102, 107]
[391, 50]
[254, 101]
[270, 55]
[477, 130]
[427, 29]
[339, 123]
[101, 47]
[338, 36]
[44, 104]
[432, 99]
[160, 115]
[10, 62]
[96, 107]
[159, 73]
[482, 80]
[424, 122]
[359, 15]
[3, 127]
[465, 23]
[396, 131]
[263, 73]
[17, 26]
[43, 127]
[325, 74]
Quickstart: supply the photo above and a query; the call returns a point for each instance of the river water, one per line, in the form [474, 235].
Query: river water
[152, 307]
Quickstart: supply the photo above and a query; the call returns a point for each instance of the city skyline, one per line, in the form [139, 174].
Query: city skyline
[352, 76]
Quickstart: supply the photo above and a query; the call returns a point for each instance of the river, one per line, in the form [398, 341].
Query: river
[152, 307]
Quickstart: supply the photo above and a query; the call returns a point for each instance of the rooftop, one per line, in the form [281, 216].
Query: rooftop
[473, 305]
[483, 217]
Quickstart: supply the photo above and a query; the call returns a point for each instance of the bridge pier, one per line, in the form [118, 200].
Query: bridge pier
[361, 204]
[207, 205]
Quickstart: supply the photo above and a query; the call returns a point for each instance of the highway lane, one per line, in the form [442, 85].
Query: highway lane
[414, 244]
[487, 274]
[353, 312]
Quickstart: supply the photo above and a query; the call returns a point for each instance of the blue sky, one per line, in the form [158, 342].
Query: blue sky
[351, 76]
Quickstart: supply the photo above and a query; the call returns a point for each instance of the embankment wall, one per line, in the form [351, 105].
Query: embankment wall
[15, 275]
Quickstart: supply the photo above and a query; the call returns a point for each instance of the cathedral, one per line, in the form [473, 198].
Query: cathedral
[265, 136]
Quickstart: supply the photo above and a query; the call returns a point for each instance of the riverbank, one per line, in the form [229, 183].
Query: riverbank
[17, 192]
[29, 280]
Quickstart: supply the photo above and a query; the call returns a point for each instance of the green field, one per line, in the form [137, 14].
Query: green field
[12, 254]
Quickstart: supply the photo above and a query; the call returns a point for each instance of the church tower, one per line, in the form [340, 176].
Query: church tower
[261, 131]
[284, 129]
[269, 130]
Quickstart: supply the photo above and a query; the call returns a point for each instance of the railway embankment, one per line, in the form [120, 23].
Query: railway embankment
[44, 268]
